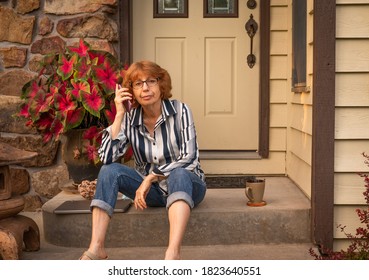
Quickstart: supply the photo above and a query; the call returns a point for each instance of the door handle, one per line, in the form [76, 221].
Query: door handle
[251, 27]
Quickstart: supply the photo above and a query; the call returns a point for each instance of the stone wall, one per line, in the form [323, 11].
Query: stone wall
[28, 30]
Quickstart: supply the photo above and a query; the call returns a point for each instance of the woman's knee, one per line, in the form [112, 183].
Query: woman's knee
[180, 180]
[179, 175]
[180, 196]
[184, 181]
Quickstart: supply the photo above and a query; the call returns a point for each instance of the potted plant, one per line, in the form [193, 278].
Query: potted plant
[73, 95]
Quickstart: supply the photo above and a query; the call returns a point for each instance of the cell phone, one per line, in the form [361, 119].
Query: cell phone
[126, 103]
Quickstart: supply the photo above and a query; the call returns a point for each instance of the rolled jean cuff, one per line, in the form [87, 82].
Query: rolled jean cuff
[102, 205]
[179, 196]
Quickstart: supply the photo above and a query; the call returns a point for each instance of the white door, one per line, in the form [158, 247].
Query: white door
[206, 58]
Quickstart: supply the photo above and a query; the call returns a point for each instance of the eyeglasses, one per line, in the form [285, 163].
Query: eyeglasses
[149, 82]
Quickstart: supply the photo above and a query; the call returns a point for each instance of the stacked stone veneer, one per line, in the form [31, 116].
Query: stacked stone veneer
[28, 30]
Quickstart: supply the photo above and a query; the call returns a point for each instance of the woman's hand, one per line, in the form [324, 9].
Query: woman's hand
[142, 191]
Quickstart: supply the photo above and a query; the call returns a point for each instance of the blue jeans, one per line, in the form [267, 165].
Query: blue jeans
[113, 178]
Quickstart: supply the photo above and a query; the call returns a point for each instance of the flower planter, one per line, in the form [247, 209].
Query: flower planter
[74, 90]
[79, 167]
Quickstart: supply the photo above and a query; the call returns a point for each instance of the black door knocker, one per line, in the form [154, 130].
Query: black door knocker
[251, 27]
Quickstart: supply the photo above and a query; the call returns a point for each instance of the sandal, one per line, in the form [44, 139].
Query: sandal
[92, 256]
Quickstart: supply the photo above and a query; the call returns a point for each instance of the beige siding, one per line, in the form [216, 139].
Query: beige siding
[352, 55]
[349, 188]
[278, 89]
[278, 3]
[279, 72]
[279, 15]
[346, 216]
[300, 175]
[348, 156]
[278, 44]
[291, 113]
[352, 89]
[301, 145]
[352, 123]
[301, 117]
[352, 113]
[278, 139]
[274, 165]
[278, 115]
[279, 67]
[351, 2]
[299, 140]
[351, 21]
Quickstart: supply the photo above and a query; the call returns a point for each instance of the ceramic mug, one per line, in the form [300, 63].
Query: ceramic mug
[255, 190]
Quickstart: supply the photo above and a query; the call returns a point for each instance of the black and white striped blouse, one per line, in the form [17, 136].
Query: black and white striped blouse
[174, 143]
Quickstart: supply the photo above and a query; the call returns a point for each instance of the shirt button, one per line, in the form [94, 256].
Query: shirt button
[153, 143]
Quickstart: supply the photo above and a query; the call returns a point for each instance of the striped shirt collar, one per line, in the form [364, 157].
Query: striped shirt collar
[167, 109]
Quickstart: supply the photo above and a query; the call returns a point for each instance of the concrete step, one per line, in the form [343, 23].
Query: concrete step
[223, 218]
[282, 251]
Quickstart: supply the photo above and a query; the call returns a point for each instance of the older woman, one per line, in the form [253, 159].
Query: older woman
[167, 170]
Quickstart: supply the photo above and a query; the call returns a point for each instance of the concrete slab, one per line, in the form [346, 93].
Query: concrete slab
[281, 251]
[229, 215]
[222, 218]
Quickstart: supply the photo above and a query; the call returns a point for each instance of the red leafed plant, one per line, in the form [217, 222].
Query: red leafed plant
[359, 242]
[74, 89]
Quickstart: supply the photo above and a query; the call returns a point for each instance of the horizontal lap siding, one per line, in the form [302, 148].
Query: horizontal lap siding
[279, 65]
[348, 156]
[299, 131]
[349, 188]
[345, 216]
[273, 165]
[351, 2]
[352, 21]
[352, 55]
[352, 113]
[352, 123]
[352, 90]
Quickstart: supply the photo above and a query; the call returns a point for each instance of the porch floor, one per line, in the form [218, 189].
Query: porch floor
[222, 227]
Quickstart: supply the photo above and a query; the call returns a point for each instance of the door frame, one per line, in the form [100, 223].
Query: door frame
[125, 55]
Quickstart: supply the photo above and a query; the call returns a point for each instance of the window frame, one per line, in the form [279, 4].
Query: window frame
[299, 46]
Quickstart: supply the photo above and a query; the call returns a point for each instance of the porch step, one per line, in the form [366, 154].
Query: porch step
[223, 218]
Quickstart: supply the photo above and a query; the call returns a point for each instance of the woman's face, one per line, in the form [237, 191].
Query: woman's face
[146, 90]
